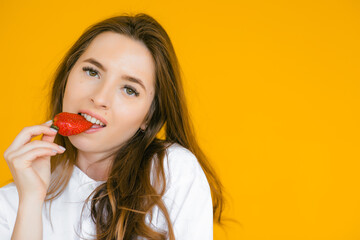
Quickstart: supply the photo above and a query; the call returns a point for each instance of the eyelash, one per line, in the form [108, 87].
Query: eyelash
[97, 72]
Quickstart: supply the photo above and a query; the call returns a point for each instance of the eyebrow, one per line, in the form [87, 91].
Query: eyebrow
[126, 77]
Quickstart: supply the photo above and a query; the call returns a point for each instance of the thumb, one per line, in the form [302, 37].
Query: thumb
[49, 137]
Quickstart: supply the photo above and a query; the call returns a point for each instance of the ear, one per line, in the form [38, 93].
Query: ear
[143, 126]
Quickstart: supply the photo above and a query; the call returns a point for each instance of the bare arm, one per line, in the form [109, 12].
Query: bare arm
[28, 223]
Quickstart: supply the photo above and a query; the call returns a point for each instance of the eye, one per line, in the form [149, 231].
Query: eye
[131, 91]
[92, 72]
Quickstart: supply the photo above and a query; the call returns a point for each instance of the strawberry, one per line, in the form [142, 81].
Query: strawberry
[70, 124]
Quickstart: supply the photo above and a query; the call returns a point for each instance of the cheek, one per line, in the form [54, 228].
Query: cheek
[131, 115]
[68, 96]
[73, 92]
[74, 89]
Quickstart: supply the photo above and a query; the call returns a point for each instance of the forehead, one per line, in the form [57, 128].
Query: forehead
[120, 54]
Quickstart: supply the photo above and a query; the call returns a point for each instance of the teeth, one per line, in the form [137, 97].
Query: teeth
[92, 119]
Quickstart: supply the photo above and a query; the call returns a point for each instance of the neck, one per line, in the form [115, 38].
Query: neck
[98, 171]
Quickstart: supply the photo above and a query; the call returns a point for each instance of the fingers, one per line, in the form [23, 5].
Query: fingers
[28, 133]
[29, 161]
[46, 137]
[36, 144]
[24, 160]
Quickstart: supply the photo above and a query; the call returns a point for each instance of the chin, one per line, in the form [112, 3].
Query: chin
[91, 145]
[83, 144]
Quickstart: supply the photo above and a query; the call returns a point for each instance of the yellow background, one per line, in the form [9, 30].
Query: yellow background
[273, 90]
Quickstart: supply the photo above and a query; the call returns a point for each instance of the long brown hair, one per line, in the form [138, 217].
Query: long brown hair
[119, 205]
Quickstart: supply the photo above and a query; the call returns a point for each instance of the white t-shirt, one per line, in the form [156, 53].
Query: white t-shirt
[187, 198]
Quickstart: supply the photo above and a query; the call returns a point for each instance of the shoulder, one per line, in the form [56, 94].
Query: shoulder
[180, 155]
[181, 165]
[9, 192]
[9, 201]
[180, 158]
[9, 196]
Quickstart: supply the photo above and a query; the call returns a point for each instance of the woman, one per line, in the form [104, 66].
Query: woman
[120, 179]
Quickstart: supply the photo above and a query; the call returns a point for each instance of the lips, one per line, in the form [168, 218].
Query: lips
[94, 115]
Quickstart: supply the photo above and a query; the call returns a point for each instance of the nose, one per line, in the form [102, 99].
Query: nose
[102, 97]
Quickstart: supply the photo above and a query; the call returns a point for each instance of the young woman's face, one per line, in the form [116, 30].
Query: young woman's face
[102, 84]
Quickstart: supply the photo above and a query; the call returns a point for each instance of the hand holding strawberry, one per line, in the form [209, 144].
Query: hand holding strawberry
[29, 161]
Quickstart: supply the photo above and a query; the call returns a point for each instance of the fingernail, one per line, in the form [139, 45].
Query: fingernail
[62, 148]
[52, 129]
[50, 121]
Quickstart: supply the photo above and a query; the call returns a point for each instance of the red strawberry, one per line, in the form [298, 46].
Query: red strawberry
[70, 124]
